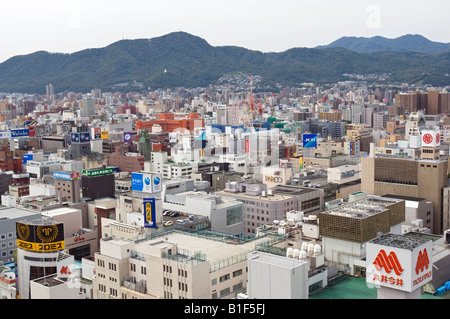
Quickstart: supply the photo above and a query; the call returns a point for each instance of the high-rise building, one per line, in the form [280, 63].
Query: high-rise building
[88, 105]
[409, 177]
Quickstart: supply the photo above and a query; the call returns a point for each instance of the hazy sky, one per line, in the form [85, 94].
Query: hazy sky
[266, 25]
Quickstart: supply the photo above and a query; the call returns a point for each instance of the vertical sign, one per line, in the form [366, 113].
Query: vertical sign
[127, 137]
[149, 213]
[247, 146]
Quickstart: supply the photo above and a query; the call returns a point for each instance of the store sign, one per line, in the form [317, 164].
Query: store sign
[348, 174]
[273, 179]
[430, 138]
[20, 133]
[398, 268]
[309, 140]
[97, 172]
[97, 133]
[66, 175]
[40, 238]
[105, 135]
[127, 137]
[247, 146]
[149, 213]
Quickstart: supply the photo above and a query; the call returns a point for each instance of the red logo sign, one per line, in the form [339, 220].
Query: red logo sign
[427, 138]
[247, 146]
[65, 270]
[389, 263]
[422, 261]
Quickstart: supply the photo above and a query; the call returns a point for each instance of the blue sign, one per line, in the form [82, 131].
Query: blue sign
[20, 132]
[348, 174]
[137, 183]
[85, 137]
[149, 213]
[309, 140]
[27, 157]
[62, 175]
[127, 137]
[75, 137]
[143, 182]
[81, 137]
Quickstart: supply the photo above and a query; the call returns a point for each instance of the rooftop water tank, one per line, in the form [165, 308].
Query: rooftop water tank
[317, 249]
[302, 254]
[289, 252]
[296, 253]
[304, 246]
[310, 248]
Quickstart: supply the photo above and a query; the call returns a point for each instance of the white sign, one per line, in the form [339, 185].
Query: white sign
[430, 138]
[399, 268]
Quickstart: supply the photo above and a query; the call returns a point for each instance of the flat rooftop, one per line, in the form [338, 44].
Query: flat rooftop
[16, 212]
[399, 241]
[213, 249]
[363, 208]
[279, 261]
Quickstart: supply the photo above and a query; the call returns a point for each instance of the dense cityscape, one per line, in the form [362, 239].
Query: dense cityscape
[221, 192]
[221, 159]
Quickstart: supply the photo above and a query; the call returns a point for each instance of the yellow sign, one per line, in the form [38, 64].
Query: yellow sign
[41, 238]
[105, 135]
[148, 212]
[42, 247]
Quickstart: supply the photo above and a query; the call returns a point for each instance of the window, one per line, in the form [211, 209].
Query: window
[237, 273]
[213, 282]
[224, 278]
[224, 292]
[234, 215]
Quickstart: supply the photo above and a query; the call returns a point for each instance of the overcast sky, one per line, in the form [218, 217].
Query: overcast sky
[266, 25]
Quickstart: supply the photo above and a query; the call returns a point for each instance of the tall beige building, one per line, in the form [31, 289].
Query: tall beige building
[408, 177]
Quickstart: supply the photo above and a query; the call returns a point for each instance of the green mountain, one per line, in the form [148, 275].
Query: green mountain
[406, 43]
[183, 60]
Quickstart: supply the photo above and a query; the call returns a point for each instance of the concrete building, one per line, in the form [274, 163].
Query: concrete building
[8, 238]
[67, 186]
[276, 277]
[173, 265]
[260, 206]
[409, 177]
[346, 229]
[225, 213]
[98, 183]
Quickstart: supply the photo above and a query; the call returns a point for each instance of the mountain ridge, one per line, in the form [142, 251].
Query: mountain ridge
[180, 59]
[405, 43]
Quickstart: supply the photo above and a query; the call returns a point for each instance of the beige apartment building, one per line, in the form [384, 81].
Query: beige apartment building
[422, 178]
[176, 264]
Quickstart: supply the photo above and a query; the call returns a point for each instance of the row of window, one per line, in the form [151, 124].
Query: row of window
[143, 269]
[226, 277]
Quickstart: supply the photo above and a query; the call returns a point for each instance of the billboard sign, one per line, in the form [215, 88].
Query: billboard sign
[127, 137]
[40, 238]
[20, 133]
[5, 134]
[430, 138]
[97, 172]
[397, 267]
[149, 213]
[104, 135]
[75, 137]
[27, 157]
[141, 182]
[309, 140]
[97, 133]
[65, 175]
[147, 183]
[85, 137]
[157, 182]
